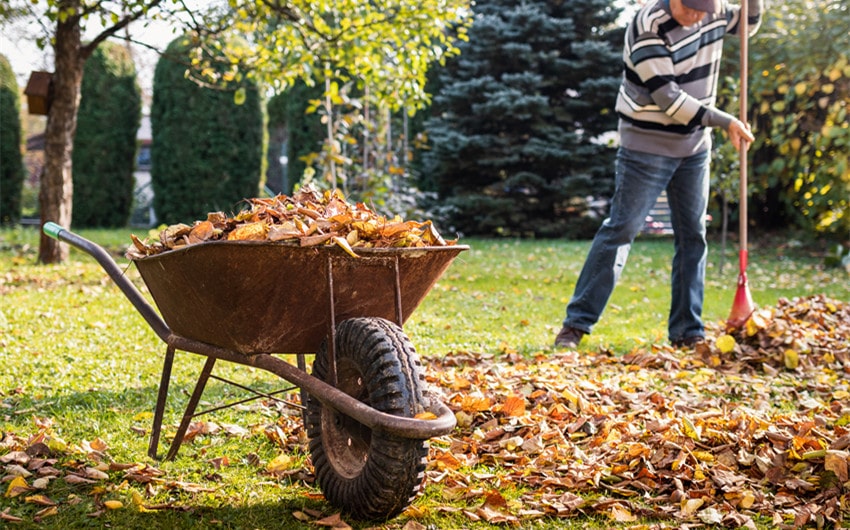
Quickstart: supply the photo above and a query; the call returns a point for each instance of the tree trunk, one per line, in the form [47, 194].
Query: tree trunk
[55, 195]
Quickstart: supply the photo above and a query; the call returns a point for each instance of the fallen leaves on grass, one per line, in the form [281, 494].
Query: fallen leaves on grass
[30, 463]
[307, 218]
[715, 436]
[723, 435]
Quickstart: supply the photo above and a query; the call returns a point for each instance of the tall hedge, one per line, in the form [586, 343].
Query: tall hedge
[207, 150]
[12, 172]
[105, 143]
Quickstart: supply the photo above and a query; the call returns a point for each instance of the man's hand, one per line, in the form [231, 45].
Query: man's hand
[740, 132]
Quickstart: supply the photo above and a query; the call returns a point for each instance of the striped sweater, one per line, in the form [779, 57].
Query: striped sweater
[666, 100]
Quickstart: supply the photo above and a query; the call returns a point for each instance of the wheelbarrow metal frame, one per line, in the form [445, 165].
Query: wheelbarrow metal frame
[326, 393]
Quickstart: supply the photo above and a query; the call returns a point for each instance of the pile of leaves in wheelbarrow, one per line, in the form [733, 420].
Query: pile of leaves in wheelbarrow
[307, 218]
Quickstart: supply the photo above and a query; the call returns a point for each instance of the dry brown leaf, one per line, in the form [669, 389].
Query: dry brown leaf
[6, 516]
[41, 500]
[333, 521]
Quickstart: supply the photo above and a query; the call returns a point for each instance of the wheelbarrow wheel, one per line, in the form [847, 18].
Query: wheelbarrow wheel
[369, 474]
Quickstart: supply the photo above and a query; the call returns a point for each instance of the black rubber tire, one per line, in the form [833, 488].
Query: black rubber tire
[368, 474]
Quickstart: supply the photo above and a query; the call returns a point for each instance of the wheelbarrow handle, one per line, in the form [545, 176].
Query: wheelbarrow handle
[52, 229]
[114, 271]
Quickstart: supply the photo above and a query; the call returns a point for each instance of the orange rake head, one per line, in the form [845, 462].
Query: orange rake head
[743, 305]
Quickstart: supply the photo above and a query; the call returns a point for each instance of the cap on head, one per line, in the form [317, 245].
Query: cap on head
[709, 6]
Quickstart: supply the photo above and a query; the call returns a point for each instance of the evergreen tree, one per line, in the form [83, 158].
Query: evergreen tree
[105, 142]
[512, 150]
[12, 171]
[208, 145]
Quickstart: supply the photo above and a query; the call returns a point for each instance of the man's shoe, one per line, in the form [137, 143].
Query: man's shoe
[569, 337]
[688, 342]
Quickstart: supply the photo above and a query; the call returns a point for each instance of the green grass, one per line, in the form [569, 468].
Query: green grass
[76, 353]
[514, 293]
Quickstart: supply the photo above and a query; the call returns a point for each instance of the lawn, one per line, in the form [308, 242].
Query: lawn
[81, 370]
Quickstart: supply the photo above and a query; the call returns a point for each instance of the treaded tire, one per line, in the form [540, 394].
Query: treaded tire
[369, 474]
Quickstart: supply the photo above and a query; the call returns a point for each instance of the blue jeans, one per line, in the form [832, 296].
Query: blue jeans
[640, 179]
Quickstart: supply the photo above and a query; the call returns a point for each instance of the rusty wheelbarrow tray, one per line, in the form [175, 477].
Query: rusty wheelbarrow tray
[245, 301]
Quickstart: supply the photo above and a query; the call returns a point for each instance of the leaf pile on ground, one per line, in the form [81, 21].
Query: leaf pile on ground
[307, 218]
[809, 331]
[740, 433]
[31, 464]
[725, 435]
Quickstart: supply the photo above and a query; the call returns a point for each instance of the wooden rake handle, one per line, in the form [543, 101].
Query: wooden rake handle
[743, 25]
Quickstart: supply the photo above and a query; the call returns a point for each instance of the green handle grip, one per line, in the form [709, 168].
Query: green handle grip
[52, 229]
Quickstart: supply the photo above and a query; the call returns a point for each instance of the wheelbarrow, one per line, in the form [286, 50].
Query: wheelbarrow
[366, 408]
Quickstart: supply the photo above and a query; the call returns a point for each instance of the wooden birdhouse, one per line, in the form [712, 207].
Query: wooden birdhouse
[39, 92]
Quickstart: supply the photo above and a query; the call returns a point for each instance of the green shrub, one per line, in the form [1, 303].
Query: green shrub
[105, 143]
[207, 151]
[12, 172]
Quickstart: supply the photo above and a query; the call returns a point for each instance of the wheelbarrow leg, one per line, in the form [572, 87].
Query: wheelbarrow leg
[302, 365]
[160, 402]
[190, 408]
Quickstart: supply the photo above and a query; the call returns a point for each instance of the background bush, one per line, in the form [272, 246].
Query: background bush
[105, 143]
[12, 171]
[208, 151]
[799, 100]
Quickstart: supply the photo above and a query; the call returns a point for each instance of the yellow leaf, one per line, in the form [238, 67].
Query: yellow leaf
[690, 430]
[426, 416]
[840, 395]
[747, 500]
[138, 500]
[690, 506]
[703, 456]
[239, 96]
[42, 500]
[800, 88]
[113, 505]
[725, 343]
[17, 486]
[47, 512]
[281, 463]
[792, 359]
[57, 444]
[343, 244]
[751, 327]
[678, 462]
